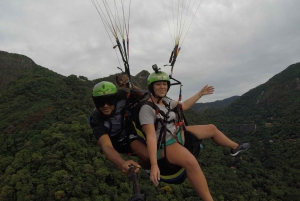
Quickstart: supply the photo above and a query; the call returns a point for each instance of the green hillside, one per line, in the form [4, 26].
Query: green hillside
[48, 151]
[273, 106]
[267, 116]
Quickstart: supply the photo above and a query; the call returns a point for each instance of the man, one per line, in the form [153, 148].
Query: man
[112, 133]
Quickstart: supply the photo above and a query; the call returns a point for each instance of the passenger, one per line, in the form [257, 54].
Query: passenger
[158, 85]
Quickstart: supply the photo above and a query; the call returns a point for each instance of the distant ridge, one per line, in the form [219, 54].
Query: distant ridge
[219, 104]
[13, 65]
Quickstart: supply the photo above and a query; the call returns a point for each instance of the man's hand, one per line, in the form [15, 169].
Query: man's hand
[126, 167]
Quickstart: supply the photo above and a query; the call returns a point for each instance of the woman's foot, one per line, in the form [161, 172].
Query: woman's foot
[241, 147]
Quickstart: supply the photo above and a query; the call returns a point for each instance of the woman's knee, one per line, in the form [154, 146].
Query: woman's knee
[190, 163]
[185, 160]
[212, 127]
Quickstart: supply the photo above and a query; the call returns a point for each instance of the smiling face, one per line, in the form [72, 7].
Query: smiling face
[107, 109]
[160, 88]
[106, 104]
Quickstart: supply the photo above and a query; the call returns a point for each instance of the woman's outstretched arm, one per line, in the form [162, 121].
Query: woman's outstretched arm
[187, 104]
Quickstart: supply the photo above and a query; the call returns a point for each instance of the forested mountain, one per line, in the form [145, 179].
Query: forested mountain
[48, 152]
[267, 116]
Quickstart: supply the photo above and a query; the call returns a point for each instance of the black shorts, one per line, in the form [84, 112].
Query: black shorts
[122, 144]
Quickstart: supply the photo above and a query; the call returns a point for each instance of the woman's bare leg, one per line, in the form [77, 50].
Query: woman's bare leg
[178, 155]
[211, 131]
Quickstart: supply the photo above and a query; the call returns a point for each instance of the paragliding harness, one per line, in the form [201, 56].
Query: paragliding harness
[169, 173]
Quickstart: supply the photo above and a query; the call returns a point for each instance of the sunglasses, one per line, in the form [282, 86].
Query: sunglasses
[102, 100]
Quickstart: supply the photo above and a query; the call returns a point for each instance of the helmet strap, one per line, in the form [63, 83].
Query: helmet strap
[158, 98]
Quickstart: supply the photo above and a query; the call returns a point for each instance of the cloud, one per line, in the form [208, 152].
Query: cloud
[233, 45]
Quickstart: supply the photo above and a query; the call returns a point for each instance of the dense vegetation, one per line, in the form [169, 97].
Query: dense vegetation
[48, 152]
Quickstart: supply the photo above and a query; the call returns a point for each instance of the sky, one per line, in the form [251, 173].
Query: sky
[232, 45]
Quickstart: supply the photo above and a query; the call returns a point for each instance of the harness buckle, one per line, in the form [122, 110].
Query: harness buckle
[179, 124]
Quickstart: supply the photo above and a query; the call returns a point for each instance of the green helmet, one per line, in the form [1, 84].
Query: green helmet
[104, 88]
[104, 93]
[160, 76]
[156, 77]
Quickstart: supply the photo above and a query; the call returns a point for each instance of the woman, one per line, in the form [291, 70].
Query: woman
[158, 85]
